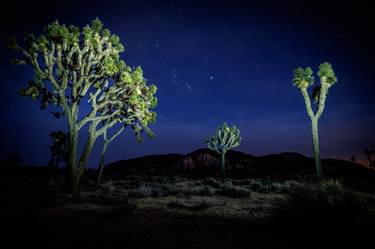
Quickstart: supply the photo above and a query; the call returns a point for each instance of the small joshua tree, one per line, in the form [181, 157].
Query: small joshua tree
[226, 138]
[72, 65]
[368, 153]
[303, 79]
[59, 149]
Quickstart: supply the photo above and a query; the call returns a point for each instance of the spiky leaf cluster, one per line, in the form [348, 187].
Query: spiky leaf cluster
[68, 57]
[133, 101]
[326, 74]
[303, 78]
[226, 138]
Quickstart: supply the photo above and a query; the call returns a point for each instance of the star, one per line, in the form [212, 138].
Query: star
[189, 87]
[211, 77]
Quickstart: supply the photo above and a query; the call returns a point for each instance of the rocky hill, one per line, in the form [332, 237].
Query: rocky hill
[204, 162]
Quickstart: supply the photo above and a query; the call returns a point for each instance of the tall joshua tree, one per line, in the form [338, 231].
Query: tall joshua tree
[72, 64]
[303, 79]
[226, 138]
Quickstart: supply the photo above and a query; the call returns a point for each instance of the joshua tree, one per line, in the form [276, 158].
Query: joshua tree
[303, 79]
[59, 149]
[136, 114]
[368, 153]
[71, 65]
[226, 138]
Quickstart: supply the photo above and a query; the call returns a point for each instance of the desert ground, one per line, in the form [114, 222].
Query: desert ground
[140, 211]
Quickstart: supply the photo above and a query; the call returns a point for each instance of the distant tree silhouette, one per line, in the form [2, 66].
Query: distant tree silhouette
[368, 153]
[59, 148]
[353, 159]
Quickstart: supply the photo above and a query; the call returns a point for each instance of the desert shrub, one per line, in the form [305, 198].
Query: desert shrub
[213, 182]
[228, 189]
[107, 188]
[197, 183]
[144, 191]
[285, 187]
[203, 190]
[316, 204]
[256, 185]
[169, 189]
[330, 187]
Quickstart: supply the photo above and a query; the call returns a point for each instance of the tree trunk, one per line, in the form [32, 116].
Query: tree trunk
[102, 162]
[223, 165]
[86, 153]
[316, 150]
[88, 147]
[73, 176]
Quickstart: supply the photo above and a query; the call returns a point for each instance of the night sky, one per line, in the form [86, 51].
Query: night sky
[213, 62]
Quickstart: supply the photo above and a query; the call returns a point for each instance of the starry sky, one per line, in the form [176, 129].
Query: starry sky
[212, 62]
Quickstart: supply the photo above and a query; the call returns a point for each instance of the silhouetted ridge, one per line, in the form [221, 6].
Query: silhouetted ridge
[204, 162]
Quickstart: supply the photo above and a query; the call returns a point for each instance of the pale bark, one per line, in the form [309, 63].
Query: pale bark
[104, 150]
[316, 150]
[314, 124]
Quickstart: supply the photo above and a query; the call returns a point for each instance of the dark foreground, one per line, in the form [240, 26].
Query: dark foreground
[34, 214]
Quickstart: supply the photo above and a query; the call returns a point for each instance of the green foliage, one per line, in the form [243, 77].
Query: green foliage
[96, 25]
[110, 66]
[226, 138]
[327, 74]
[303, 78]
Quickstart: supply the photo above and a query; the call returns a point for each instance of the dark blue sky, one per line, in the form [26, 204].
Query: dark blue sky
[214, 62]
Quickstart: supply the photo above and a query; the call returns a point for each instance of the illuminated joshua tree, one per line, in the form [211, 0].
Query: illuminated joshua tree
[59, 150]
[72, 65]
[138, 99]
[226, 138]
[303, 79]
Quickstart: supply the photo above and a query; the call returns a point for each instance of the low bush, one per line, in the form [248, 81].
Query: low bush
[228, 189]
[144, 191]
[107, 188]
[203, 190]
[285, 187]
[324, 203]
[257, 186]
[213, 182]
